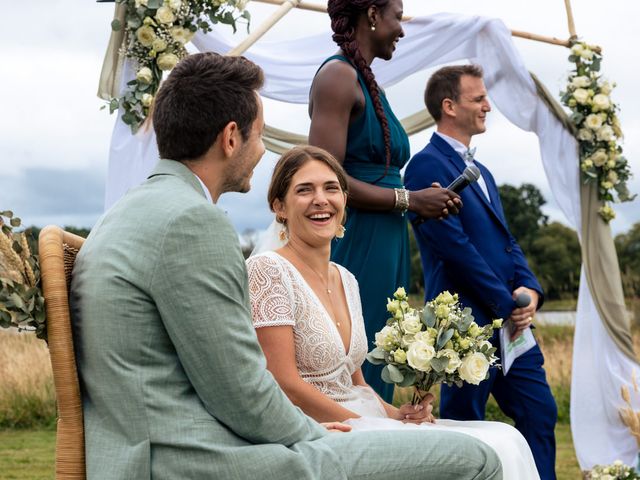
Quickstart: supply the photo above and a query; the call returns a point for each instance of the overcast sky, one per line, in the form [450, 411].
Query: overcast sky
[54, 139]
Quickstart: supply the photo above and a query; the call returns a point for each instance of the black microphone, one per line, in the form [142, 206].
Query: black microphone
[469, 175]
[522, 300]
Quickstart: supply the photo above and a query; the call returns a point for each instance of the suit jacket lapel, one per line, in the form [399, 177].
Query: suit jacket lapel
[178, 169]
[459, 166]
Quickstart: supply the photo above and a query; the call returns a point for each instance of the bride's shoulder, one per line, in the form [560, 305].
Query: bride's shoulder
[269, 263]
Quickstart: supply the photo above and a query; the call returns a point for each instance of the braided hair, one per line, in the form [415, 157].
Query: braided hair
[344, 15]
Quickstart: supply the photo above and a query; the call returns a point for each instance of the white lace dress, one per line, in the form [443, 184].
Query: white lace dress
[280, 296]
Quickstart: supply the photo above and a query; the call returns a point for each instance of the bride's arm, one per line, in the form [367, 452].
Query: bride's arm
[407, 412]
[279, 349]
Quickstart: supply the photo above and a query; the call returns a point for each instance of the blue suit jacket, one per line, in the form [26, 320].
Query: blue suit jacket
[472, 253]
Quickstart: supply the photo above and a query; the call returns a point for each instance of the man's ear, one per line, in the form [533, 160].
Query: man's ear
[448, 107]
[229, 139]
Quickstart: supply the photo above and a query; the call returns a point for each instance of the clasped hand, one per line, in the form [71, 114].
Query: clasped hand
[419, 413]
[434, 202]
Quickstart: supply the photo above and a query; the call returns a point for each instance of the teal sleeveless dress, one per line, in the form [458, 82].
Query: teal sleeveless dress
[375, 247]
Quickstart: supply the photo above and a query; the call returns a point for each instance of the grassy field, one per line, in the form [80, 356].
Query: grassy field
[27, 404]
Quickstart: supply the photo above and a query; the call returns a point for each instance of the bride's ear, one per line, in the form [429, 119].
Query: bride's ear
[278, 209]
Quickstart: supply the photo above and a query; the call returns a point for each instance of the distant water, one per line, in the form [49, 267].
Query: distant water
[556, 318]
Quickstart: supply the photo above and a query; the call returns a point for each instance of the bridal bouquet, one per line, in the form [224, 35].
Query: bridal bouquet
[616, 471]
[437, 344]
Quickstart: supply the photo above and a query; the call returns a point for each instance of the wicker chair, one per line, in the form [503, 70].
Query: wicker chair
[58, 250]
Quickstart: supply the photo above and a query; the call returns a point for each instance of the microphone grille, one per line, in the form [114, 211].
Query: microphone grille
[471, 173]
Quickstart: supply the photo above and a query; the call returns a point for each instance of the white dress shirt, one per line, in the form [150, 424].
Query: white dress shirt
[204, 187]
[461, 149]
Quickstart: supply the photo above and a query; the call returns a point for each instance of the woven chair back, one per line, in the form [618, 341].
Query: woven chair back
[57, 250]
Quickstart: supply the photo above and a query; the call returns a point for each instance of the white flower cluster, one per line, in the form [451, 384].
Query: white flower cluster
[156, 34]
[438, 344]
[598, 128]
[616, 471]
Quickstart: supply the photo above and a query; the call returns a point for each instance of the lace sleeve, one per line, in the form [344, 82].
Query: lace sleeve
[271, 302]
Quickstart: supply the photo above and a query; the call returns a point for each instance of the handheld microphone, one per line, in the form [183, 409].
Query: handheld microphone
[469, 175]
[522, 300]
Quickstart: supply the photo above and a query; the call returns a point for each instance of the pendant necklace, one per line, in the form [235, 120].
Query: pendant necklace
[325, 283]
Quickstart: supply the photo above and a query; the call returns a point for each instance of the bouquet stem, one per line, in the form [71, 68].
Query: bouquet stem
[420, 392]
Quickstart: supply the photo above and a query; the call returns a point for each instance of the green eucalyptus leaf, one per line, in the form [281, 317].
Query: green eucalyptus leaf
[439, 364]
[15, 222]
[373, 360]
[444, 337]
[395, 374]
[6, 213]
[428, 316]
[116, 25]
[386, 377]
[409, 379]
[154, 4]
[378, 353]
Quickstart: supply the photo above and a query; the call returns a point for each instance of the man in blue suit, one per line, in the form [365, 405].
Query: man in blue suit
[475, 255]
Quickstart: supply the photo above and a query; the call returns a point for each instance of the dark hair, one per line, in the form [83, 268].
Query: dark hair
[293, 160]
[203, 93]
[445, 83]
[344, 16]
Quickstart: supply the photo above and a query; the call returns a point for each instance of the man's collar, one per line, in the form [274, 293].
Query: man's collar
[457, 145]
[179, 169]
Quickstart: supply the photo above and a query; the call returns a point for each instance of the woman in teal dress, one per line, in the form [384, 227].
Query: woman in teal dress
[351, 118]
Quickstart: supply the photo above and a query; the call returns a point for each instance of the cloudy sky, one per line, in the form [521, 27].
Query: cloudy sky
[54, 139]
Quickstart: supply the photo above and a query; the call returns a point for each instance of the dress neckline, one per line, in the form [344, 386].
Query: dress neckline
[319, 303]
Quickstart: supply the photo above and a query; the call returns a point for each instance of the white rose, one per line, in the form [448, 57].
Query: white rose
[599, 158]
[159, 45]
[474, 368]
[580, 82]
[581, 95]
[144, 75]
[407, 340]
[392, 306]
[428, 336]
[474, 330]
[452, 356]
[606, 88]
[601, 102]
[175, 4]
[165, 15]
[605, 133]
[606, 185]
[586, 53]
[419, 356]
[411, 324]
[585, 134]
[147, 99]
[576, 49]
[442, 311]
[166, 61]
[387, 338]
[612, 177]
[593, 121]
[181, 35]
[145, 35]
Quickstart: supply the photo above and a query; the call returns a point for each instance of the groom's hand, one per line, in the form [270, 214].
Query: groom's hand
[334, 427]
[521, 318]
[418, 413]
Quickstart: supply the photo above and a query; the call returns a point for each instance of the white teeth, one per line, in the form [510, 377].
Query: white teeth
[320, 216]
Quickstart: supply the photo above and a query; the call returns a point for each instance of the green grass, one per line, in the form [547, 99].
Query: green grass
[29, 454]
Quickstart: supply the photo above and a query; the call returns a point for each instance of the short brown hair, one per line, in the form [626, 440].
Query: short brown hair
[293, 160]
[203, 93]
[445, 83]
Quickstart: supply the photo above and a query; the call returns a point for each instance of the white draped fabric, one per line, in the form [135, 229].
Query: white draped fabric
[599, 368]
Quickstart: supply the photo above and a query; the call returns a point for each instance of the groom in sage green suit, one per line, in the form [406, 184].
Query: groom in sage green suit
[174, 383]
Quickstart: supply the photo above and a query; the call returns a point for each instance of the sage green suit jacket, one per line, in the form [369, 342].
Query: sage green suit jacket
[174, 382]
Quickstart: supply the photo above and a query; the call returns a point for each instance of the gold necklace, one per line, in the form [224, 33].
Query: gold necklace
[326, 284]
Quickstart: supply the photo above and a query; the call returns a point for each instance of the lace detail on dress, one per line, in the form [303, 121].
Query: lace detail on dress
[280, 296]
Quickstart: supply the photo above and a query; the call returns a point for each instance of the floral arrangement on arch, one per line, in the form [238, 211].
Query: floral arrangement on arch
[440, 343]
[594, 115]
[616, 471]
[156, 32]
[21, 300]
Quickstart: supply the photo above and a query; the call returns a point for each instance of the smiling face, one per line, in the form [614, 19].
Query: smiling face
[472, 106]
[388, 29]
[314, 204]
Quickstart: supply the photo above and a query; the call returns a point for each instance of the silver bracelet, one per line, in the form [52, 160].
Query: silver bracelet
[402, 200]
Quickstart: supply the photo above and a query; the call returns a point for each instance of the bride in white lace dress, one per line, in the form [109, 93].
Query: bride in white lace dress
[308, 316]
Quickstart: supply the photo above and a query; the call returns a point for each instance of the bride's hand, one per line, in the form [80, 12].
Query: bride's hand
[418, 413]
[334, 427]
